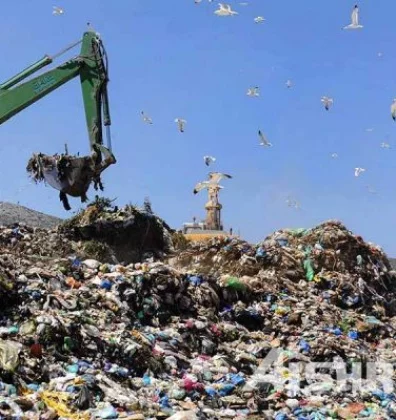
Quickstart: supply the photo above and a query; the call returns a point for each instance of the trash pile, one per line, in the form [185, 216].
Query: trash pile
[131, 233]
[192, 337]
[349, 272]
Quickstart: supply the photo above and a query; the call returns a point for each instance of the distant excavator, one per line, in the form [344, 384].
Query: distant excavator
[71, 175]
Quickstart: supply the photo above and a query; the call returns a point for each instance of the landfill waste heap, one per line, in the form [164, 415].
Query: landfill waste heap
[180, 334]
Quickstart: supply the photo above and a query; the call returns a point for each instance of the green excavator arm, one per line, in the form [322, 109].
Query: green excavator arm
[71, 176]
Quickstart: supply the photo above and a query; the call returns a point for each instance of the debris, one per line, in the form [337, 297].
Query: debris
[182, 337]
[71, 175]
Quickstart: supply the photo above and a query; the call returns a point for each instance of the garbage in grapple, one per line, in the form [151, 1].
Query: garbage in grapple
[71, 175]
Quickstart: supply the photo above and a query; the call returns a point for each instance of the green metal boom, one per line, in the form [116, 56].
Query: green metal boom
[91, 66]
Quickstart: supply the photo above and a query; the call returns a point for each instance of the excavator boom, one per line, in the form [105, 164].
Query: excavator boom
[70, 175]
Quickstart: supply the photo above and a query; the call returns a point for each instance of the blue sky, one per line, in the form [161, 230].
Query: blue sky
[177, 59]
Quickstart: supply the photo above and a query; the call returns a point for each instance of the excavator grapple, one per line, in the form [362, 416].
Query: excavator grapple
[70, 175]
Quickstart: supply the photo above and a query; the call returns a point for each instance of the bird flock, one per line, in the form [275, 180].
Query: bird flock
[225, 10]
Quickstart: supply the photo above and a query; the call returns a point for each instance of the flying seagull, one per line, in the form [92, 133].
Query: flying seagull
[327, 102]
[57, 11]
[209, 159]
[146, 118]
[371, 190]
[203, 185]
[289, 84]
[180, 123]
[259, 19]
[393, 109]
[293, 203]
[334, 155]
[263, 140]
[385, 145]
[253, 92]
[225, 10]
[354, 19]
[359, 171]
[214, 179]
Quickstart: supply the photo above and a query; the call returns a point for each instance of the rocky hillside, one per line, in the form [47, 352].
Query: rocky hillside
[12, 213]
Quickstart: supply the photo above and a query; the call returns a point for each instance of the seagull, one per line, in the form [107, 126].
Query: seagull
[289, 84]
[180, 123]
[254, 91]
[259, 19]
[146, 118]
[293, 203]
[57, 11]
[359, 171]
[385, 145]
[203, 185]
[354, 19]
[371, 190]
[327, 102]
[214, 179]
[263, 140]
[225, 10]
[209, 159]
[393, 109]
[334, 155]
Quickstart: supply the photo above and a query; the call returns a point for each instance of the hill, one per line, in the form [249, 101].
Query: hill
[12, 213]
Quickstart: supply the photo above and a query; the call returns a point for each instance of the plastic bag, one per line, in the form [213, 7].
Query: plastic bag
[9, 355]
